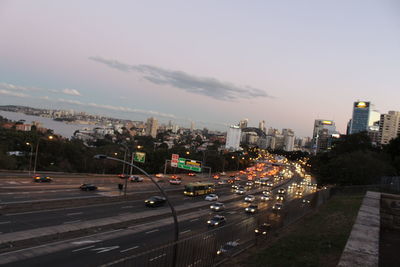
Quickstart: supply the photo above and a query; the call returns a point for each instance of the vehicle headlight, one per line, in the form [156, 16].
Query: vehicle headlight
[216, 223]
[247, 209]
[217, 208]
[256, 230]
[219, 252]
[151, 202]
[208, 221]
[252, 210]
[264, 233]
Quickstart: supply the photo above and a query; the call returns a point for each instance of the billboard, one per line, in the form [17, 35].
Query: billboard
[361, 104]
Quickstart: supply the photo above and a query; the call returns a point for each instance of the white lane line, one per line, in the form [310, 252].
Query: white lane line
[152, 231]
[194, 220]
[126, 207]
[187, 231]
[71, 222]
[232, 212]
[74, 213]
[79, 249]
[160, 256]
[5, 222]
[85, 242]
[135, 247]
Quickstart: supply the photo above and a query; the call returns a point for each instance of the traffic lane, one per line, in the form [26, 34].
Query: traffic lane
[31, 220]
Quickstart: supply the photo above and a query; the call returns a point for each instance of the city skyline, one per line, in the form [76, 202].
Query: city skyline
[210, 63]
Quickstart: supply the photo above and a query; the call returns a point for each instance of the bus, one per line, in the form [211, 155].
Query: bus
[197, 189]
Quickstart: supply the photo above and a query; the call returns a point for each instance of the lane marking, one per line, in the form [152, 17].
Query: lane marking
[105, 249]
[85, 242]
[71, 222]
[152, 231]
[79, 249]
[194, 220]
[187, 231]
[135, 247]
[126, 207]
[232, 212]
[5, 222]
[74, 213]
[160, 256]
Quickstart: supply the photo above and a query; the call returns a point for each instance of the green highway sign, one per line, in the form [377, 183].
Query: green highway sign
[189, 164]
[139, 157]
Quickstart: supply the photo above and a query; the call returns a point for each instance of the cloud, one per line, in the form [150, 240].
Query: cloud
[71, 92]
[207, 86]
[9, 86]
[11, 93]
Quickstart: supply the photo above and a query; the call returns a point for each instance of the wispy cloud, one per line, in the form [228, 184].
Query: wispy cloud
[207, 86]
[68, 91]
[11, 93]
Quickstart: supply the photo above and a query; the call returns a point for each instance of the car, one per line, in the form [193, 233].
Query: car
[216, 220]
[265, 198]
[42, 179]
[277, 206]
[134, 178]
[279, 197]
[251, 209]
[257, 181]
[227, 247]
[299, 194]
[217, 206]
[175, 177]
[221, 182]
[232, 176]
[237, 178]
[211, 197]
[249, 183]
[216, 176]
[175, 181]
[159, 175]
[231, 181]
[249, 198]
[235, 186]
[191, 174]
[266, 193]
[155, 201]
[270, 184]
[262, 229]
[88, 187]
[222, 173]
[305, 201]
[281, 191]
[122, 176]
[240, 190]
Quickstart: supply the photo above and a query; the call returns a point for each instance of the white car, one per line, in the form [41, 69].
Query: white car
[249, 198]
[217, 206]
[211, 197]
[240, 191]
[265, 198]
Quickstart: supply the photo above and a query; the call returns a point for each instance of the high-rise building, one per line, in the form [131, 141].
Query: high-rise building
[243, 123]
[322, 135]
[152, 127]
[363, 117]
[288, 139]
[261, 126]
[233, 138]
[389, 127]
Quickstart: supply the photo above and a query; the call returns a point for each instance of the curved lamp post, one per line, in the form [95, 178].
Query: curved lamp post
[176, 226]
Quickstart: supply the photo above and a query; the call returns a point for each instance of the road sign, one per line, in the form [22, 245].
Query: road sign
[189, 164]
[139, 157]
[174, 160]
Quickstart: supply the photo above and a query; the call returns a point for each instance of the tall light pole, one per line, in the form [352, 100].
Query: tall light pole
[50, 137]
[176, 225]
[30, 157]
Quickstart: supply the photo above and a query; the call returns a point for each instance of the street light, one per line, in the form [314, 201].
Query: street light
[50, 137]
[176, 226]
[30, 157]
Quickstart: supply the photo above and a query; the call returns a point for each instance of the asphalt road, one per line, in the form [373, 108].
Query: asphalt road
[93, 251]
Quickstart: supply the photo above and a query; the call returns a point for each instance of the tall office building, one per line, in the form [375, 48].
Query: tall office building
[261, 126]
[191, 126]
[233, 138]
[288, 139]
[389, 127]
[152, 127]
[243, 123]
[363, 117]
[322, 135]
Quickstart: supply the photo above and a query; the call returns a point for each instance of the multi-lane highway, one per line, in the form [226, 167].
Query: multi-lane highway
[139, 237]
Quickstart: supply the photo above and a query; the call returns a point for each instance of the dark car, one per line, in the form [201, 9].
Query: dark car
[252, 208]
[216, 220]
[88, 187]
[262, 229]
[155, 201]
[42, 179]
[227, 247]
[217, 206]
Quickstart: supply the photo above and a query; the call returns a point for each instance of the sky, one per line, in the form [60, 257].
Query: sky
[211, 62]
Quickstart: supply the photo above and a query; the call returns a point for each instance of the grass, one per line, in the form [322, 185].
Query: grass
[316, 240]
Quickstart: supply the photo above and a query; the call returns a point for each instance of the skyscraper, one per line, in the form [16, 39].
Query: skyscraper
[152, 127]
[233, 138]
[191, 126]
[243, 123]
[389, 127]
[322, 135]
[261, 126]
[363, 117]
[288, 139]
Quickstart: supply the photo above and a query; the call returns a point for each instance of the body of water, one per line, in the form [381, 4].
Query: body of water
[61, 128]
